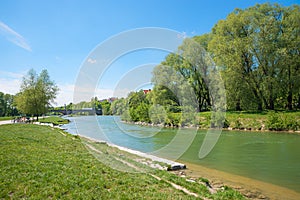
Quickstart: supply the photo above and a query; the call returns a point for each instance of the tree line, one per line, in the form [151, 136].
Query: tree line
[258, 49]
[104, 105]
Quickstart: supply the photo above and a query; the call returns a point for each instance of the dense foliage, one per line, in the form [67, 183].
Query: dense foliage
[259, 50]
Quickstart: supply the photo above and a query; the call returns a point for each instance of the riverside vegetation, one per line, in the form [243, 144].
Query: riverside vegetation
[43, 162]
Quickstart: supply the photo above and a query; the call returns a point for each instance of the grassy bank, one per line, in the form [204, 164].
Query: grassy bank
[54, 120]
[266, 120]
[41, 162]
[5, 118]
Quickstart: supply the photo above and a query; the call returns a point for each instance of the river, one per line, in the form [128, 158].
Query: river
[268, 157]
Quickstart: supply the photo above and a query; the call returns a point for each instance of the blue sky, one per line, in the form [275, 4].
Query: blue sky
[59, 35]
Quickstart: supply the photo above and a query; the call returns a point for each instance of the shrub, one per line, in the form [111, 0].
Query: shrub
[281, 122]
[238, 124]
[275, 122]
[173, 119]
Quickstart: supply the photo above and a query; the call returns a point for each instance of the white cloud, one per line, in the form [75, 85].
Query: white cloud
[10, 86]
[10, 82]
[104, 93]
[14, 37]
[65, 95]
[121, 92]
[92, 61]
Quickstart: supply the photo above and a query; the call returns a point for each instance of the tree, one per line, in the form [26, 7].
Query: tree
[136, 106]
[162, 95]
[187, 74]
[105, 105]
[203, 40]
[254, 48]
[118, 106]
[36, 93]
[290, 61]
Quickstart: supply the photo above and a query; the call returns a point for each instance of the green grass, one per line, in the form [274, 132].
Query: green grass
[5, 118]
[38, 162]
[254, 120]
[54, 120]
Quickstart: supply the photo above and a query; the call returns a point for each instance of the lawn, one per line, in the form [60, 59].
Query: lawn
[265, 120]
[5, 118]
[54, 120]
[41, 162]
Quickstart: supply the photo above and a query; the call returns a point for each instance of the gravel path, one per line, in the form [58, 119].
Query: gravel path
[6, 122]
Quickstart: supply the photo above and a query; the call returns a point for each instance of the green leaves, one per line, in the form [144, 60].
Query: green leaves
[36, 94]
[253, 46]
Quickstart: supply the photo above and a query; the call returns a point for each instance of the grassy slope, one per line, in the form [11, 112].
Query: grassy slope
[54, 120]
[249, 120]
[38, 162]
[5, 118]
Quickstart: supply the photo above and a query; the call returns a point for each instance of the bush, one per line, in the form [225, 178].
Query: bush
[281, 122]
[275, 122]
[157, 114]
[237, 124]
[291, 123]
[173, 119]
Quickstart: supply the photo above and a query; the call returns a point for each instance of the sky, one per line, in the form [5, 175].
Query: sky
[60, 35]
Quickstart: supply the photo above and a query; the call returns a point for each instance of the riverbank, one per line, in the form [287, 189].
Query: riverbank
[41, 162]
[165, 163]
[265, 121]
[250, 188]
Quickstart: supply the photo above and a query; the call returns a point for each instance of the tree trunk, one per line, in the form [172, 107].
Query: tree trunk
[290, 93]
[271, 103]
[238, 105]
[259, 106]
[272, 107]
[299, 101]
[290, 100]
[271, 98]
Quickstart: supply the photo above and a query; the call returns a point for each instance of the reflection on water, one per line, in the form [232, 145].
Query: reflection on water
[269, 157]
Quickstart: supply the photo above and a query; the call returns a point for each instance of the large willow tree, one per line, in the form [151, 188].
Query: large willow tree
[259, 50]
[36, 94]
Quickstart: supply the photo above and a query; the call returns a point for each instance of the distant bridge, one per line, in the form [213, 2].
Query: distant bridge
[90, 111]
